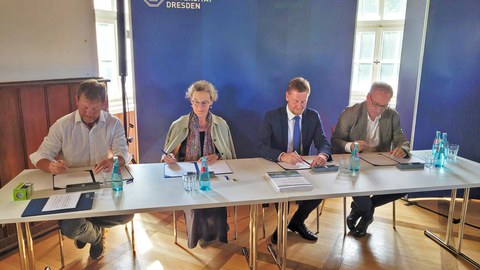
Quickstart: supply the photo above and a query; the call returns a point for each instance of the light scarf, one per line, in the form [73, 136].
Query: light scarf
[193, 139]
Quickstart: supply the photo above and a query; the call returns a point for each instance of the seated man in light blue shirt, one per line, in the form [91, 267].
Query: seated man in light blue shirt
[91, 137]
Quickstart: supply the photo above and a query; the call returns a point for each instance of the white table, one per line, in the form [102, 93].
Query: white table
[372, 180]
[252, 188]
[150, 191]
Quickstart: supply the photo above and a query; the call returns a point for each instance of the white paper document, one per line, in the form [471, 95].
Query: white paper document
[289, 181]
[179, 168]
[298, 166]
[403, 160]
[377, 159]
[68, 178]
[63, 201]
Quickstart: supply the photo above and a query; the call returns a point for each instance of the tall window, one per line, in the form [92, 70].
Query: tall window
[378, 46]
[107, 48]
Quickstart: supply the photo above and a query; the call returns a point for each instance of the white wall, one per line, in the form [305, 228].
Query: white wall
[47, 39]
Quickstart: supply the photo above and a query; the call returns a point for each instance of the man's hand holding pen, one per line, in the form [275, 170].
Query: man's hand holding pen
[57, 166]
[319, 160]
[292, 158]
[105, 165]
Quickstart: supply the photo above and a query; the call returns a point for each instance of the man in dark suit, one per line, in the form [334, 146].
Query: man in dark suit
[286, 134]
[376, 128]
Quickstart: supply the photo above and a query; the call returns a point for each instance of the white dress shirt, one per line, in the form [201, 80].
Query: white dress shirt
[69, 139]
[291, 126]
[372, 134]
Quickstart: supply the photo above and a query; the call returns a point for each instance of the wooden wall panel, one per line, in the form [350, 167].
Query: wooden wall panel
[58, 102]
[28, 110]
[11, 137]
[73, 88]
[132, 132]
[34, 114]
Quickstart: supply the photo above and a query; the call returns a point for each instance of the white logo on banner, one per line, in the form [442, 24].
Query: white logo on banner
[153, 3]
[179, 4]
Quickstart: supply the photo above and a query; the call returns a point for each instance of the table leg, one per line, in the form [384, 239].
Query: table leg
[29, 241]
[446, 244]
[251, 253]
[451, 212]
[278, 254]
[284, 236]
[21, 246]
[463, 217]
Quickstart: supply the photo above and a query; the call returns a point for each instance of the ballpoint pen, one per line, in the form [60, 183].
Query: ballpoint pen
[303, 159]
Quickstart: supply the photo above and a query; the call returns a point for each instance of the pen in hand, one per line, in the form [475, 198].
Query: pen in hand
[168, 158]
[302, 158]
[57, 166]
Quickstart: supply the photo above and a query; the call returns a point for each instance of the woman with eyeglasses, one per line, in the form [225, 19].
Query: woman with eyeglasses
[192, 136]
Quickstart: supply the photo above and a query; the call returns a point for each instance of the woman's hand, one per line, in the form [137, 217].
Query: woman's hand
[210, 158]
[169, 159]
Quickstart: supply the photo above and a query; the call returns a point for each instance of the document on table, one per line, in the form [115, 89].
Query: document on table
[403, 160]
[63, 201]
[298, 166]
[179, 168]
[377, 159]
[77, 177]
[289, 181]
[218, 167]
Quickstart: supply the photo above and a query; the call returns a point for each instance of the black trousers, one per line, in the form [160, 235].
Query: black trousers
[365, 205]
[304, 209]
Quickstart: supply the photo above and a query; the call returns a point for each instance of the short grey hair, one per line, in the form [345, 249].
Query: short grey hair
[383, 87]
[202, 86]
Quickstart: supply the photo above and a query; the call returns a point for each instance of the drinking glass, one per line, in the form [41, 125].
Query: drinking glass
[189, 181]
[344, 166]
[452, 151]
[429, 161]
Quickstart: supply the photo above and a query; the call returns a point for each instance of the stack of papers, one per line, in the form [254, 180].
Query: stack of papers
[179, 168]
[298, 166]
[289, 181]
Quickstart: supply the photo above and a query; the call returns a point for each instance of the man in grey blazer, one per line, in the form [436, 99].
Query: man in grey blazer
[376, 128]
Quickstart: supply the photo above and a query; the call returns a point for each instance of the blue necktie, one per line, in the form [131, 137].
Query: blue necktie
[296, 134]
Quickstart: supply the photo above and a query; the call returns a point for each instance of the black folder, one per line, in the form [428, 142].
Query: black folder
[35, 206]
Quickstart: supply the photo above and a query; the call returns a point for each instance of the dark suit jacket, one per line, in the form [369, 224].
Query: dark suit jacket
[352, 126]
[274, 134]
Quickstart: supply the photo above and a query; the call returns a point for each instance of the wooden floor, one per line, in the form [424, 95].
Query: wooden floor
[405, 247]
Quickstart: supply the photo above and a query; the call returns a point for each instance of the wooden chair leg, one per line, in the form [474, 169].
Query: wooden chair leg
[393, 213]
[344, 216]
[263, 221]
[235, 225]
[132, 237]
[319, 213]
[60, 241]
[174, 227]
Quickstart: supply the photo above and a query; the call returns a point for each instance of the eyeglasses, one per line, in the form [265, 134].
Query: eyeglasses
[377, 105]
[200, 104]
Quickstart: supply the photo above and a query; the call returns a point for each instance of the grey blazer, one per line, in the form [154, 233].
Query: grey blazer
[352, 126]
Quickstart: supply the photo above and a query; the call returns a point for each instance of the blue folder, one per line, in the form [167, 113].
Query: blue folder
[35, 206]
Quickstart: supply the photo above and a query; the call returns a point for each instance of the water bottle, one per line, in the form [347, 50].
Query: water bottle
[117, 181]
[440, 153]
[204, 177]
[355, 158]
[445, 141]
[436, 142]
